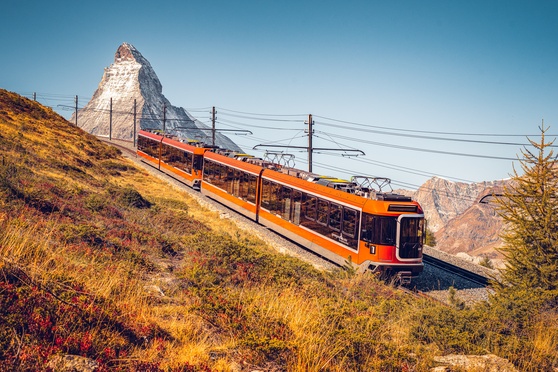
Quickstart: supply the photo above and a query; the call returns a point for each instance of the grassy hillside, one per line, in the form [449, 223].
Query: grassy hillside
[99, 259]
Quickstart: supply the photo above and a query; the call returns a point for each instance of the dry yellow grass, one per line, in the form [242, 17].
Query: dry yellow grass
[211, 296]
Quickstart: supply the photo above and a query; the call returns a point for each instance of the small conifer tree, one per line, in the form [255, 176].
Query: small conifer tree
[430, 239]
[529, 208]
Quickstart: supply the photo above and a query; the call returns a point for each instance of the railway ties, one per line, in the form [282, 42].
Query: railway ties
[473, 277]
[446, 281]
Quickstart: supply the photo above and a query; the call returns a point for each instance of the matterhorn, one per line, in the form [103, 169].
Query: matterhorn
[111, 110]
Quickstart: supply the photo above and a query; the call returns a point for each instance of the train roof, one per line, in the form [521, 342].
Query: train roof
[151, 135]
[195, 147]
[355, 194]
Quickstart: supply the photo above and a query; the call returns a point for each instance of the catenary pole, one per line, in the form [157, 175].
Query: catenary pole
[135, 106]
[110, 120]
[76, 112]
[310, 149]
[213, 112]
[164, 118]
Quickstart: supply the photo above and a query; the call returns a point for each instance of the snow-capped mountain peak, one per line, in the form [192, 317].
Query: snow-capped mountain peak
[130, 78]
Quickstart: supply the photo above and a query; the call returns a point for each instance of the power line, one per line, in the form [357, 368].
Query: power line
[375, 162]
[425, 137]
[402, 184]
[259, 114]
[432, 132]
[199, 109]
[400, 147]
[223, 121]
[261, 118]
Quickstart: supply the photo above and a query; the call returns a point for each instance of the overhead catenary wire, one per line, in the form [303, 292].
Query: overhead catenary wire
[425, 137]
[401, 183]
[224, 121]
[433, 132]
[401, 147]
[388, 165]
[400, 168]
[384, 165]
[261, 118]
[259, 114]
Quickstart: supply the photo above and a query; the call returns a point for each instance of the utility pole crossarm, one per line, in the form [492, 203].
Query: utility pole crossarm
[310, 148]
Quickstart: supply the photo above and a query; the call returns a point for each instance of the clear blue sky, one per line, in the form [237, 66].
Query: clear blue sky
[476, 67]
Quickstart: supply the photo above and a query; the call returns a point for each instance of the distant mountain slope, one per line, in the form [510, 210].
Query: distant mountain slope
[132, 77]
[443, 200]
[475, 232]
[459, 222]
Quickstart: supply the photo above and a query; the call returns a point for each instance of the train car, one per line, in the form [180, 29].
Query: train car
[381, 235]
[381, 232]
[232, 182]
[173, 157]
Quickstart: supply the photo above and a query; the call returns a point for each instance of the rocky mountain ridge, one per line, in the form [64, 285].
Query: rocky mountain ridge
[460, 223]
[130, 78]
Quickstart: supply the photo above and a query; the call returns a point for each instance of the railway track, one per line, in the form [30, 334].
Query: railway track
[128, 147]
[446, 281]
[456, 270]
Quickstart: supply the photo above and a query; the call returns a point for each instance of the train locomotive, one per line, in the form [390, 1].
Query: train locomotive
[342, 221]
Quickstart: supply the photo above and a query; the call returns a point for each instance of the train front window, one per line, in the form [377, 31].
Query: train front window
[411, 235]
[379, 230]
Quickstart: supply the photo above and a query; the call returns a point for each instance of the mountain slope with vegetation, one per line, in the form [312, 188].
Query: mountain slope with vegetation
[101, 260]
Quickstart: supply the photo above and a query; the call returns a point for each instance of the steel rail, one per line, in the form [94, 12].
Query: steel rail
[456, 270]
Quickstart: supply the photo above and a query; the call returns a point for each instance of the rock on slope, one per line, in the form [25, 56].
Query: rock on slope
[132, 77]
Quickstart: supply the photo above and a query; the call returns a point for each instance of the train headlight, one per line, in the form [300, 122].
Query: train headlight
[372, 249]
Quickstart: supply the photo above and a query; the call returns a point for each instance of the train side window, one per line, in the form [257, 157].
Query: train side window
[323, 209]
[214, 172]
[335, 216]
[149, 146]
[175, 156]
[368, 228]
[297, 201]
[187, 162]
[237, 177]
[208, 171]
[205, 171]
[275, 198]
[349, 222]
[309, 207]
[266, 194]
[243, 185]
[251, 188]
[209, 166]
[227, 178]
[165, 153]
[286, 202]
[216, 168]
[222, 174]
[141, 143]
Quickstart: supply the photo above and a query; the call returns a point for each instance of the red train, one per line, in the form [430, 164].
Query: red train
[330, 217]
